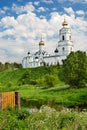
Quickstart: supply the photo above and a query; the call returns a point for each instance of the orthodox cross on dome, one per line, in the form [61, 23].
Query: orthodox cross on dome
[41, 37]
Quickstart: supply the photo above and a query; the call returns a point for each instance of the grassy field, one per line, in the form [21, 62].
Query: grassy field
[56, 96]
[60, 107]
[38, 86]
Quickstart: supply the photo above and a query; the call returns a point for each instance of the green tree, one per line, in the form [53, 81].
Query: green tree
[1, 67]
[75, 69]
[7, 65]
[16, 65]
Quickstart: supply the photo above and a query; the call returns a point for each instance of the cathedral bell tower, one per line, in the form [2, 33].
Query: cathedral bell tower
[65, 44]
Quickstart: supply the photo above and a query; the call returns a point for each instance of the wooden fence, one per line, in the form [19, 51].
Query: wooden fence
[9, 99]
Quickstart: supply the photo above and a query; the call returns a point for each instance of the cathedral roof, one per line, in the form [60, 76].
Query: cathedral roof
[38, 53]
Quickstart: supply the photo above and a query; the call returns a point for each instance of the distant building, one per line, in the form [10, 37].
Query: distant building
[41, 57]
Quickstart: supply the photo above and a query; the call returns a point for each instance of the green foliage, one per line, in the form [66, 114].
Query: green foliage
[46, 88]
[34, 76]
[50, 80]
[45, 118]
[9, 66]
[13, 119]
[9, 84]
[75, 69]
[54, 96]
[22, 114]
[25, 78]
[50, 119]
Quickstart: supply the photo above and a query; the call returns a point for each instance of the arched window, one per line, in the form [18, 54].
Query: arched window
[63, 48]
[63, 38]
[69, 37]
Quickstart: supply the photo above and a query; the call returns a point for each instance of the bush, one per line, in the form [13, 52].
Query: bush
[22, 114]
[50, 80]
[9, 84]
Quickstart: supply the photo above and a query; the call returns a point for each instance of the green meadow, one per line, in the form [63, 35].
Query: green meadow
[57, 105]
[39, 86]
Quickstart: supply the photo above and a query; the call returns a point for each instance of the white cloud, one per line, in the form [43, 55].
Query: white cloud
[36, 3]
[70, 11]
[80, 12]
[54, 9]
[2, 12]
[47, 1]
[20, 9]
[5, 8]
[41, 9]
[8, 21]
[73, 1]
[27, 28]
[42, 17]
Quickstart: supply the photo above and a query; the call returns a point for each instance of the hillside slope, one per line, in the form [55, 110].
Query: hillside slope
[38, 86]
[25, 76]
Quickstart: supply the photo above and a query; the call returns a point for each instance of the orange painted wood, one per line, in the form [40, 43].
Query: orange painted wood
[8, 99]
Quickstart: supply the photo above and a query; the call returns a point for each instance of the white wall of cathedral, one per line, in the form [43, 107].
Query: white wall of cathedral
[41, 47]
[63, 57]
[30, 64]
[53, 60]
[65, 37]
[65, 50]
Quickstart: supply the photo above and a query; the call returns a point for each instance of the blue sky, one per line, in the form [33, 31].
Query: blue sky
[23, 21]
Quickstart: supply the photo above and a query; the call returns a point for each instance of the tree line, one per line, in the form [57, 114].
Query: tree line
[9, 66]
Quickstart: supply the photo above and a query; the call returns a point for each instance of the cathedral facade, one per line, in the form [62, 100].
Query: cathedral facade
[41, 57]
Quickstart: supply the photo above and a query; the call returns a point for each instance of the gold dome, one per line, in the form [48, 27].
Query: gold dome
[41, 42]
[64, 23]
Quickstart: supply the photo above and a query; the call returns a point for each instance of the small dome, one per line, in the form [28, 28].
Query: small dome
[56, 50]
[41, 43]
[64, 23]
[28, 53]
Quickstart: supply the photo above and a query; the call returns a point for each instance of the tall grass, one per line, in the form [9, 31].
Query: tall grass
[45, 118]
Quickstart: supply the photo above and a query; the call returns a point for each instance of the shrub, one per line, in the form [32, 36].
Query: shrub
[22, 114]
[50, 80]
[9, 84]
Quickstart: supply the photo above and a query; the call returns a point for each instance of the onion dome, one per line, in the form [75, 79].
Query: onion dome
[41, 42]
[28, 53]
[64, 23]
[56, 50]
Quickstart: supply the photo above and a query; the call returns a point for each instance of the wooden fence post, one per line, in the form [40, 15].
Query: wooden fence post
[0, 101]
[17, 99]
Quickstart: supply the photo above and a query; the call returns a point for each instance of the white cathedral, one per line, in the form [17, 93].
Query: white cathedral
[41, 57]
